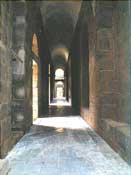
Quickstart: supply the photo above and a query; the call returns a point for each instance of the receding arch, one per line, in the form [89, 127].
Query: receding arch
[59, 73]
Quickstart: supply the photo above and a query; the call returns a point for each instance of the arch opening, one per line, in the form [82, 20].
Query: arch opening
[59, 91]
[35, 78]
[59, 74]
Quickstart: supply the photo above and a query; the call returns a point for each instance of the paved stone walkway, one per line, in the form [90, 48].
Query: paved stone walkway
[64, 146]
[60, 107]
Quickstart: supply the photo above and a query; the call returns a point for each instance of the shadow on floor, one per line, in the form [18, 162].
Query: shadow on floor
[64, 146]
[60, 107]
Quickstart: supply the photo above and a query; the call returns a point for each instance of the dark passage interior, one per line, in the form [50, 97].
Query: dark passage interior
[65, 64]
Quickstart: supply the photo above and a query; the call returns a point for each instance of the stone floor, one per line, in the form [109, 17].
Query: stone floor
[60, 102]
[64, 146]
[4, 167]
[60, 107]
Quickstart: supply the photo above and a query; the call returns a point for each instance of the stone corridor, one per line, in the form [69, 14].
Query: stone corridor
[65, 87]
[64, 146]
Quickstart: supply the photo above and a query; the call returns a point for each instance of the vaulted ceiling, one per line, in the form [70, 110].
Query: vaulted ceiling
[59, 20]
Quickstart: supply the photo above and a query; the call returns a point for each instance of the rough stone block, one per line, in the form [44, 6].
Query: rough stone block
[107, 82]
[5, 110]
[4, 167]
[105, 60]
[104, 15]
[108, 111]
[5, 147]
[5, 128]
[108, 99]
[118, 135]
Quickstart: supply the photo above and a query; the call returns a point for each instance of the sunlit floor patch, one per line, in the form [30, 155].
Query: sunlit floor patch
[62, 122]
[64, 146]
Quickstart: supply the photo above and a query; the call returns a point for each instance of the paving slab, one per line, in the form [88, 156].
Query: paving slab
[64, 146]
[4, 167]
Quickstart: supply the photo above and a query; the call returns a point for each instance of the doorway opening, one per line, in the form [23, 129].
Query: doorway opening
[59, 106]
[59, 74]
[35, 90]
[59, 84]
[35, 78]
[59, 90]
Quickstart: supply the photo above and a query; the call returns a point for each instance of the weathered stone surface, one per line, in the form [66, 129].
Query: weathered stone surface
[5, 79]
[5, 110]
[4, 167]
[118, 131]
[109, 78]
[6, 146]
[5, 129]
[64, 145]
[100, 66]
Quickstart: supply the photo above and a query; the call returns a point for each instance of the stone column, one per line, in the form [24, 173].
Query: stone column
[52, 77]
[43, 91]
[5, 79]
[43, 94]
[67, 84]
[75, 73]
[69, 78]
[22, 69]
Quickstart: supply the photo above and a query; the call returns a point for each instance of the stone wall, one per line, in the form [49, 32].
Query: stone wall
[18, 66]
[114, 75]
[109, 71]
[16, 31]
[26, 24]
[5, 77]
